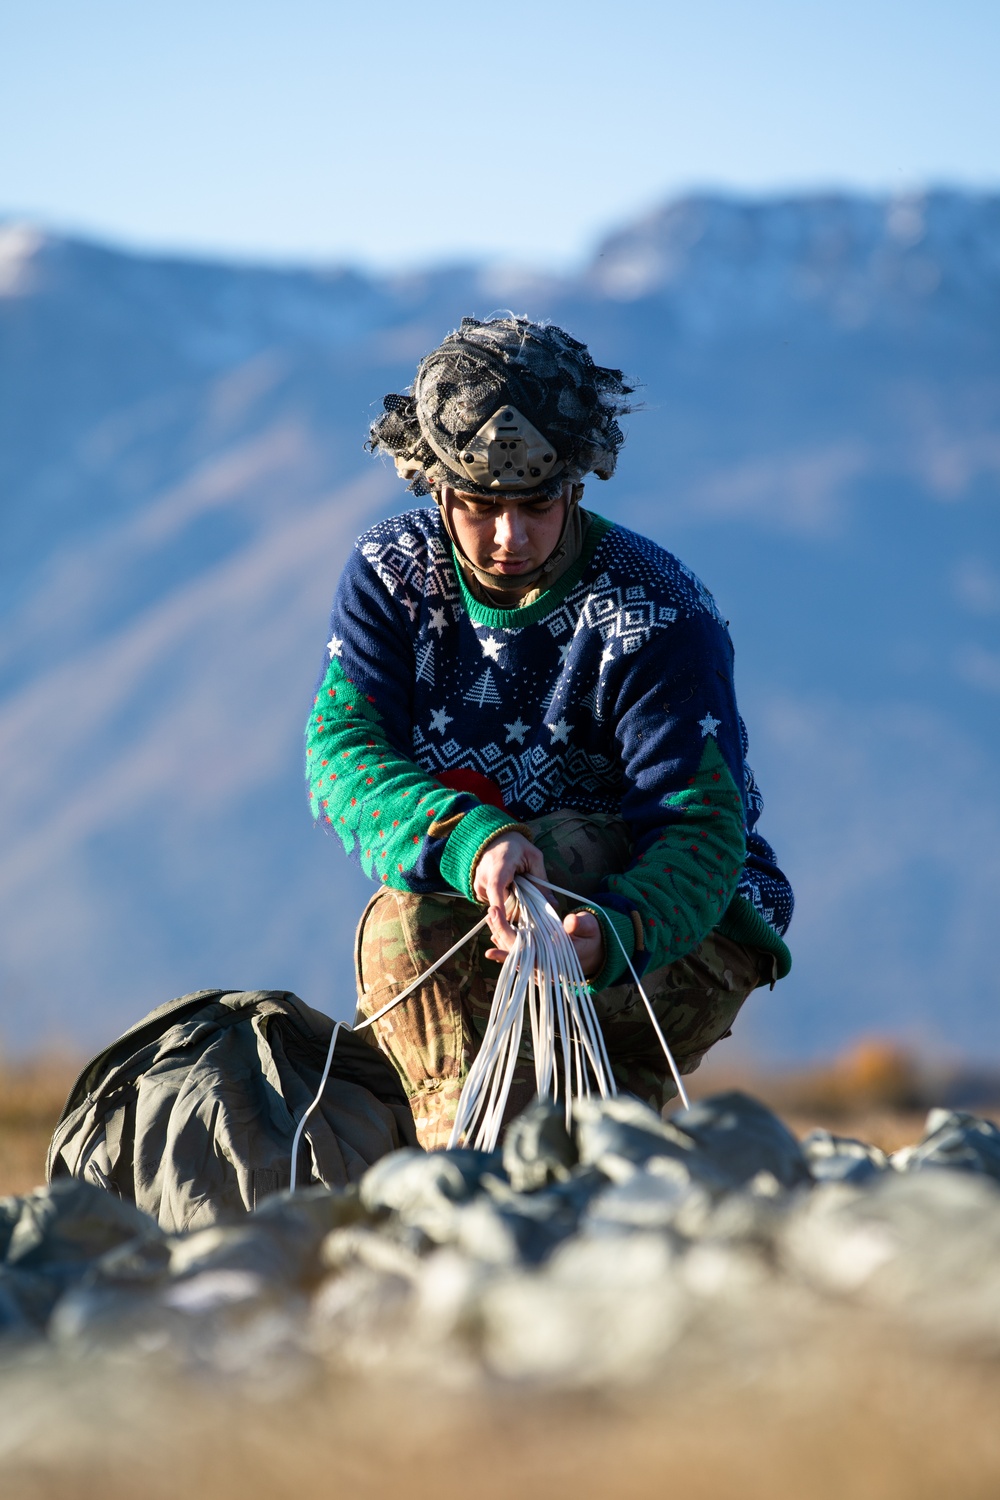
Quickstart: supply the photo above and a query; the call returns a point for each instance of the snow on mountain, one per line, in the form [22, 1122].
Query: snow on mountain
[182, 472]
[851, 262]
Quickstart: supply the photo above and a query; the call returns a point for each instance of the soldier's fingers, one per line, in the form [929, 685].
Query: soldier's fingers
[498, 879]
[503, 932]
[581, 924]
[492, 897]
[503, 929]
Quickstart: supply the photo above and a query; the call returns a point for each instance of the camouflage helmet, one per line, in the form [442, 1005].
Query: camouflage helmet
[503, 406]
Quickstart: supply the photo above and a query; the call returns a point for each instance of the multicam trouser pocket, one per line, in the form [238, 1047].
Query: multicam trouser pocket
[434, 1035]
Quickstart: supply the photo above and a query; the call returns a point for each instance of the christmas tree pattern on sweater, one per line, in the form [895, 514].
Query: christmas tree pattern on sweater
[611, 693]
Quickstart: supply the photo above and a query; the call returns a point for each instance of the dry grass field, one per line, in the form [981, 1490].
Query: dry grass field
[32, 1094]
[874, 1091]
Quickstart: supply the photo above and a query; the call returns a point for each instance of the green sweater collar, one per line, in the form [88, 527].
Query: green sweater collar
[514, 619]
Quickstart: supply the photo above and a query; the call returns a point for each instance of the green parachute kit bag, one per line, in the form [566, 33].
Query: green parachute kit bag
[191, 1114]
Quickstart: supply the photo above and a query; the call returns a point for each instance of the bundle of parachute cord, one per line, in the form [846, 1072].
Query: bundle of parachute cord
[541, 980]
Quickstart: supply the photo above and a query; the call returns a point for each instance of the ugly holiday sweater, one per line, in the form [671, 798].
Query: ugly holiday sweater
[612, 692]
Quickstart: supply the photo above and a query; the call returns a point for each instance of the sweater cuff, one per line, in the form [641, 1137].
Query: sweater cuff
[467, 841]
[742, 923]
[615, 962]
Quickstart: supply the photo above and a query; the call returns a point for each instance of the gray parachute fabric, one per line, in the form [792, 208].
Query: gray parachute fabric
[190, 1114]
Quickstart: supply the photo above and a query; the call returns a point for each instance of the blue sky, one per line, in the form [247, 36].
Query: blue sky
[403, 133]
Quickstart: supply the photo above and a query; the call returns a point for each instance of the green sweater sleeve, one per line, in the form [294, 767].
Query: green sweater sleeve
[682, 884]
[409, 831]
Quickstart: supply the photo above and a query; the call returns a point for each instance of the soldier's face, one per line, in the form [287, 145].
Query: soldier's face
[507, 537]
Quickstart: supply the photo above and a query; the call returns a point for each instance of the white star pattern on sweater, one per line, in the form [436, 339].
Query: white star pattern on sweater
[630, 594]
[564, 652]
[411, 605]
[492, 647]
[334, 645]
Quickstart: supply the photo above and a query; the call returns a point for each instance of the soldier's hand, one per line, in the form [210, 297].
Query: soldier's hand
[508, 855]
[587, 938]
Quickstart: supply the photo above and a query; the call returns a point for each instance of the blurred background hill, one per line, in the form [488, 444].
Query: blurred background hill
[182, 473]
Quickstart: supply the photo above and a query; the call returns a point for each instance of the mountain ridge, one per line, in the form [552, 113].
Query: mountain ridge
[181, 456]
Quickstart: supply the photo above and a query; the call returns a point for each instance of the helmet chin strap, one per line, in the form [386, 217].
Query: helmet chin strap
[523, 582]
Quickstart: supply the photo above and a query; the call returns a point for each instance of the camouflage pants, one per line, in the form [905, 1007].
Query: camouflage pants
[434, 1035]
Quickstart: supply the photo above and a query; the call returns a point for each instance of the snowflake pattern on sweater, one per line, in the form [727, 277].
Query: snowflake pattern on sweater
[611, 693]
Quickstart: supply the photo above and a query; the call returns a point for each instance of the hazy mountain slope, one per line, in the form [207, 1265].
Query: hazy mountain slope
[182, 471]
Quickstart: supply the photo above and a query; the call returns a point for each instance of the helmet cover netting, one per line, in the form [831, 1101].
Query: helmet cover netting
[535, 367]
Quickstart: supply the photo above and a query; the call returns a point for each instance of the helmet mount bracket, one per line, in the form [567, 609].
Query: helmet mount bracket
[507, 453]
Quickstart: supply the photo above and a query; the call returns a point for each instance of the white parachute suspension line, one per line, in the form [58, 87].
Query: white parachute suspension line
[534, 974]
[343, 1026]
[589, 1040]
[561, 890]
[541, 975]
[296, 1139]
[490, 1075]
